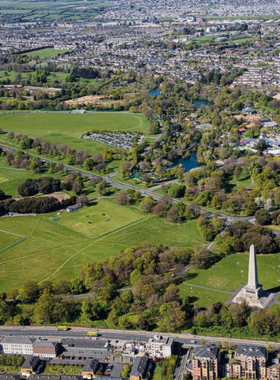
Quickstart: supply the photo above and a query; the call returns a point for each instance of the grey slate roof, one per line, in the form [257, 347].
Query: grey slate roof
[140, 366]
[9, 377]
[206, 352]
[44, 343]
[251, 351]
[84, 343]
[45, 377]
[17, 340]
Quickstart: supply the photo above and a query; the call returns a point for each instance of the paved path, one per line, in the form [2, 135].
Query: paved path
[204, 287]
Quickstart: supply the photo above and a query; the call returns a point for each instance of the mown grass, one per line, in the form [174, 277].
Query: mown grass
[62, 127]
[58, 245]
[228, 275]
[11, 178]
[7, 239]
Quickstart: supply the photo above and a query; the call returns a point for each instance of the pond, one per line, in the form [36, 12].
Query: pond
[198, 103]
[154, 92]
[188, 163]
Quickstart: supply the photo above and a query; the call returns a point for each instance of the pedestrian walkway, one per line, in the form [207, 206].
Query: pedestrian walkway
[204, 287]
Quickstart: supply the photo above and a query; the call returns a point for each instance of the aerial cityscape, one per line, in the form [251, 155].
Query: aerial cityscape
[139, 189]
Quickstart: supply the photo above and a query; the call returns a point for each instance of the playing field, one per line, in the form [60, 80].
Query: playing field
[57, 246]
[62, 127]
[46, 53]
[225, 277]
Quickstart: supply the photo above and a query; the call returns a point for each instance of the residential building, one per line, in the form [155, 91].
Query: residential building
[250, 362]
[45, 349]
[159, 346]
[90, 368]
[17, 345]
[205, 363]
[86, 348]
[272, 372]
[141, 368]
[30, 366]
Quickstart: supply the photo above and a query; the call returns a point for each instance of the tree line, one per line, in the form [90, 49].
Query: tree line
[152, 300]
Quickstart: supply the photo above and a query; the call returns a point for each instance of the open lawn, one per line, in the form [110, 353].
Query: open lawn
[58, 245]
[228, 275]
[7, 240]
[46, 53]
[62, 127]
[11, 178]
[4, 75]
[100, 219]
[243, 181]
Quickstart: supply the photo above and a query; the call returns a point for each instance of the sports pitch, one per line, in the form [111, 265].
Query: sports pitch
[62, 127]
[57, 246]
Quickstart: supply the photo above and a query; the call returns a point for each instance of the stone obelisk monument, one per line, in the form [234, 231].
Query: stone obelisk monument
[253, 292]
[253, 288]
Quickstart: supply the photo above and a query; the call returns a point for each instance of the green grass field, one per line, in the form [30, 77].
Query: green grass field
[62, 127]
[243, 181]
[57, 246]
[99, 219]
[12, 75]
[8, 240]
[228, 275]
[46, 53]
[11, 178]
[53, 11]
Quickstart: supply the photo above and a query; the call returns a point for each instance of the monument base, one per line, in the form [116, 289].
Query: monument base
[257, 297]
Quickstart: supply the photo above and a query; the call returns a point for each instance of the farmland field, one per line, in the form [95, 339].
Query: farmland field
[62, 127]
[58, 10]
[57, 246]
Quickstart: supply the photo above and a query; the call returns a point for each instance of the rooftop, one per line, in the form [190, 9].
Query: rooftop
[251, 351]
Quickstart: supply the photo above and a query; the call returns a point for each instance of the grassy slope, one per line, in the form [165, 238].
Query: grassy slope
[228, 275]
[58, 245]
[68, 128]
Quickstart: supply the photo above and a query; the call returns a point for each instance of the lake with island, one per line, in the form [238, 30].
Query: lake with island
[188, 163]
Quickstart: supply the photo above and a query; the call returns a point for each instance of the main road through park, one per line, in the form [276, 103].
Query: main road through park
[125, 186]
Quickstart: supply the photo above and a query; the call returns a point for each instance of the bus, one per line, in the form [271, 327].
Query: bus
[92, 333]
[62, 328]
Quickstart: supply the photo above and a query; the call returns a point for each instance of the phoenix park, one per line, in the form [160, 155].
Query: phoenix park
[139, 190]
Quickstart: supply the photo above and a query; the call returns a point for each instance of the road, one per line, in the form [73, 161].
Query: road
[125, 186]
[79, 332]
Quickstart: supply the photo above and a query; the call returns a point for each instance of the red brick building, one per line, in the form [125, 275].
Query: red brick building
[45, 349]
[205, 363]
